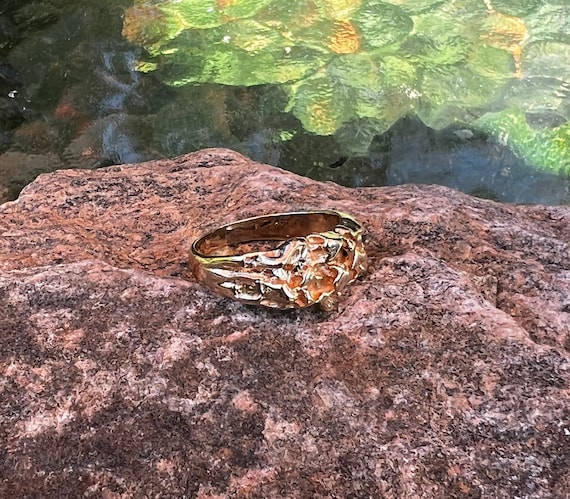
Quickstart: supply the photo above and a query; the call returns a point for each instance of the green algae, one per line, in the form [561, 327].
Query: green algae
[344, 63]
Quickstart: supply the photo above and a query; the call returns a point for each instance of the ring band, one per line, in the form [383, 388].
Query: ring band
[320, 253]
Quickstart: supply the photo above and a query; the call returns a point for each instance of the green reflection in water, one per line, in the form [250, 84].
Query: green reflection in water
[493, 64]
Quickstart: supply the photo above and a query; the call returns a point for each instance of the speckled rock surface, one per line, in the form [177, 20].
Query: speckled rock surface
[445, 373]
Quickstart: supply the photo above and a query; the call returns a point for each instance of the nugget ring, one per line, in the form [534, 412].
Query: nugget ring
[319, 254]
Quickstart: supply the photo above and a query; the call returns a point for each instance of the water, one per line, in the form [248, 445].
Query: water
[82, 86]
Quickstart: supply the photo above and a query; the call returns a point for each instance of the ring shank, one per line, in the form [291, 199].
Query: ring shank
[278, 227]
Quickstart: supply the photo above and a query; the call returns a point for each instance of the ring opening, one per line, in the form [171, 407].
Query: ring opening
[279, 227]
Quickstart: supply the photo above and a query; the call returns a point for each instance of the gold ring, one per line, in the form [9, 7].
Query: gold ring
[319, 254]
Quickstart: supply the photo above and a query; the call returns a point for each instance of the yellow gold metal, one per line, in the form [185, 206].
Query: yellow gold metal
[320, 253]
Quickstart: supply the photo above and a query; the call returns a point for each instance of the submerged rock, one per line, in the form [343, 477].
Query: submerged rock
[18, 169]
[115, 139]
[443, 374]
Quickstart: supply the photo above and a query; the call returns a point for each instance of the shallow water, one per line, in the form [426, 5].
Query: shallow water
[72, 95]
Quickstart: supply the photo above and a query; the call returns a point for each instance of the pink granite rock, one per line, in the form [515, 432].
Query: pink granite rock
[445, 373]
